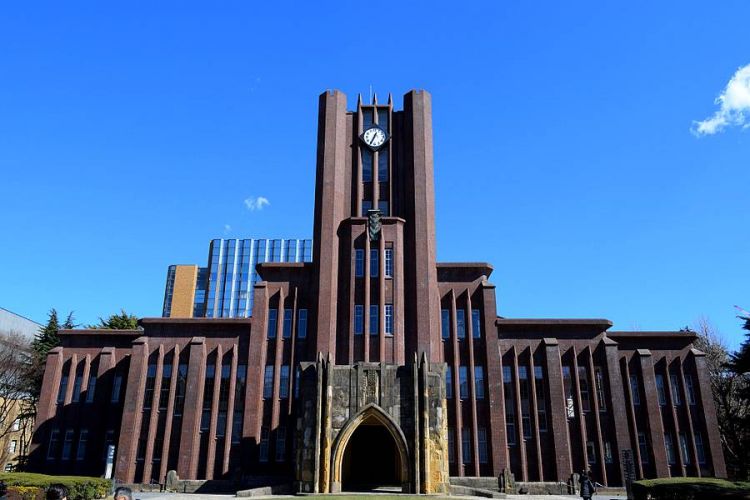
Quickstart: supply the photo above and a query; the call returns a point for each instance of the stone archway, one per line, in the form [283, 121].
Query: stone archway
[370, 425]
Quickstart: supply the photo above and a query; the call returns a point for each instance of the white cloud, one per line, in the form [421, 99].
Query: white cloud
[258, 203]
[734, 106]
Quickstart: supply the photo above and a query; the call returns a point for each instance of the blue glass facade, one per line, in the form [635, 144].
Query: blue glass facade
[231, 272]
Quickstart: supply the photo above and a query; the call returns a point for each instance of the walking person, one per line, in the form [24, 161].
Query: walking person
[587, 487]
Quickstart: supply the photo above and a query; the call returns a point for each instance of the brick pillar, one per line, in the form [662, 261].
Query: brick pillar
[494, 382]
[190, 440]
[558, 411]
[709, 413]
[617, 401]
[132, 411]
[656, 427]
[47, 406]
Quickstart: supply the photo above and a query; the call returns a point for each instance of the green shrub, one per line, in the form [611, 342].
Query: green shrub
[690, 488]
[25, 493]
[79, 487]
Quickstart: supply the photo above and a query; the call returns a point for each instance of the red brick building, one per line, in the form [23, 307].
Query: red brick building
[376, 357]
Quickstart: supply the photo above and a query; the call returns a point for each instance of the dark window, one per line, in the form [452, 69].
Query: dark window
[179, 397]
[449, 383]
[288, 323]
[591, 452]
[690, 389]
[366, 206]
[54, 444]
[268, 382]
[599, 381]
[389, 319]
[272, 319]
[389, 263]
[482, 438]
[675, 383]
[383, 164]
[608, 457]
[366, 165]
[445, 323]
[643, 447]
[374, 264]
[263, 448]
[523, 384]
[541, 400]
[660, 392]
[116, 387]
[383, 207]
[476, 323]
[479, 382]
[684, 449]
[148, 393]
[568, 387]
[83, 437]
[284, 382]
[281, 444]
[461, 323]
[166, 382]
[359, 263]
[77, 387]
[669, 446]
[451, 445]
[699, 448]
[510, 409]
[583, 383]
[359, 320]
[463, 382]
[302, 324]
[67, 444]
[91, 389]
[63, 389]
[466, 445]
[374, 323]
[634, 390]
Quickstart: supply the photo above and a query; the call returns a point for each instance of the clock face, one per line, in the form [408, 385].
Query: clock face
[374, 137]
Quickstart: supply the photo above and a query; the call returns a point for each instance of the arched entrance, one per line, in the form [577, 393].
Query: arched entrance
[370, 452]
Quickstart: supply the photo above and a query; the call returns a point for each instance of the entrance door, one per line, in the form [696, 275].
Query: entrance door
[371, 460]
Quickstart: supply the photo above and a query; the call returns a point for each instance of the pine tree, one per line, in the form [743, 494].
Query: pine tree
[740, 360]
[44, 341]
[122, 321]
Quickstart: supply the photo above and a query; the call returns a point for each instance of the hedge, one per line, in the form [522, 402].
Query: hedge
[79, 487]
[690, 488]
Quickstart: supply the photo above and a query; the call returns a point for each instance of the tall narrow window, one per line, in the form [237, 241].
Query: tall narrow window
[366, 207]
[599, 383]
[268, 382]
[568, 387]
[116, 387]
[608, 457]
[451, 445]
[287, 331]
[684, 449]
[91, 389]
[62, 389]
[166, 378]
[239, 404]
[374, 320]
[476, 324]
[461, 323]
[83, 437]
[690, 389]
[583, 383]
[302, 324]
[374, 264]
[463, 382]
[383, 207]
[297, 374]
[523, 384]
[359, 320]
[148, 393]
[449, 383]
[466, 444]
[389, 263]
[366, 165]
[263, 448]
[67, 444]
[208, 396]
[699, 448]
[77, 387]
[541, 399]
[389, 319]
[591, 452]
[179, 396]
[281, 444]
[359, 263]
[660, 392]
[284, 382]
[479, 382]
[510, 411]
[669, 446]
[482, 442]
[634, 390]
[272, 319]
[13, 446]
[643, 446]
[675, 383]
[383, 165]
[54, 444]
[445, 323]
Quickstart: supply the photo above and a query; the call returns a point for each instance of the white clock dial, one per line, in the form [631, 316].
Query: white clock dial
[374, 137]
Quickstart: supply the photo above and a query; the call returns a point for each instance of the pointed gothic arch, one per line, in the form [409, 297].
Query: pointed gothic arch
[371, 413]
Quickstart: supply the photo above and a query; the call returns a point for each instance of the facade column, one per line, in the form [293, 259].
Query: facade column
[711, 424]
[676, 445]
[580, 414]
[132, 411]
[170, 413]
[211, 458]
[594, 395]
[656, 427]
[617, 402]
[472, 383]
[558, 411]
[154, 417]
[228, 432]
[535, 416]
[690, 429]
[190, 439]
[519, 417]
[457, 386]
[633, 423]
[494, 381]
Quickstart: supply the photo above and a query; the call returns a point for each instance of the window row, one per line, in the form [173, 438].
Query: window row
[524, 402]
[661, 392]
[359, 263]
[54, 450]
[445, 323]
[286, 330]
[463, 382]
[374, 319]
[279, 448]
[284, 371]
[466, 455]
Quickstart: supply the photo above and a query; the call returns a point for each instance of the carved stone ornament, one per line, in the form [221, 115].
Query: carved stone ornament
[373, 224]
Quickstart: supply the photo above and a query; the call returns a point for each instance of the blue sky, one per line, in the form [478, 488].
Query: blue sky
[132, 133]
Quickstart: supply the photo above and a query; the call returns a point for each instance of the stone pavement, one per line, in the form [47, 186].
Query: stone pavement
[185, 496]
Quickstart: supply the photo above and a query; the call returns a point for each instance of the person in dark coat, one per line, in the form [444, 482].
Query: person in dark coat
[587, 487]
